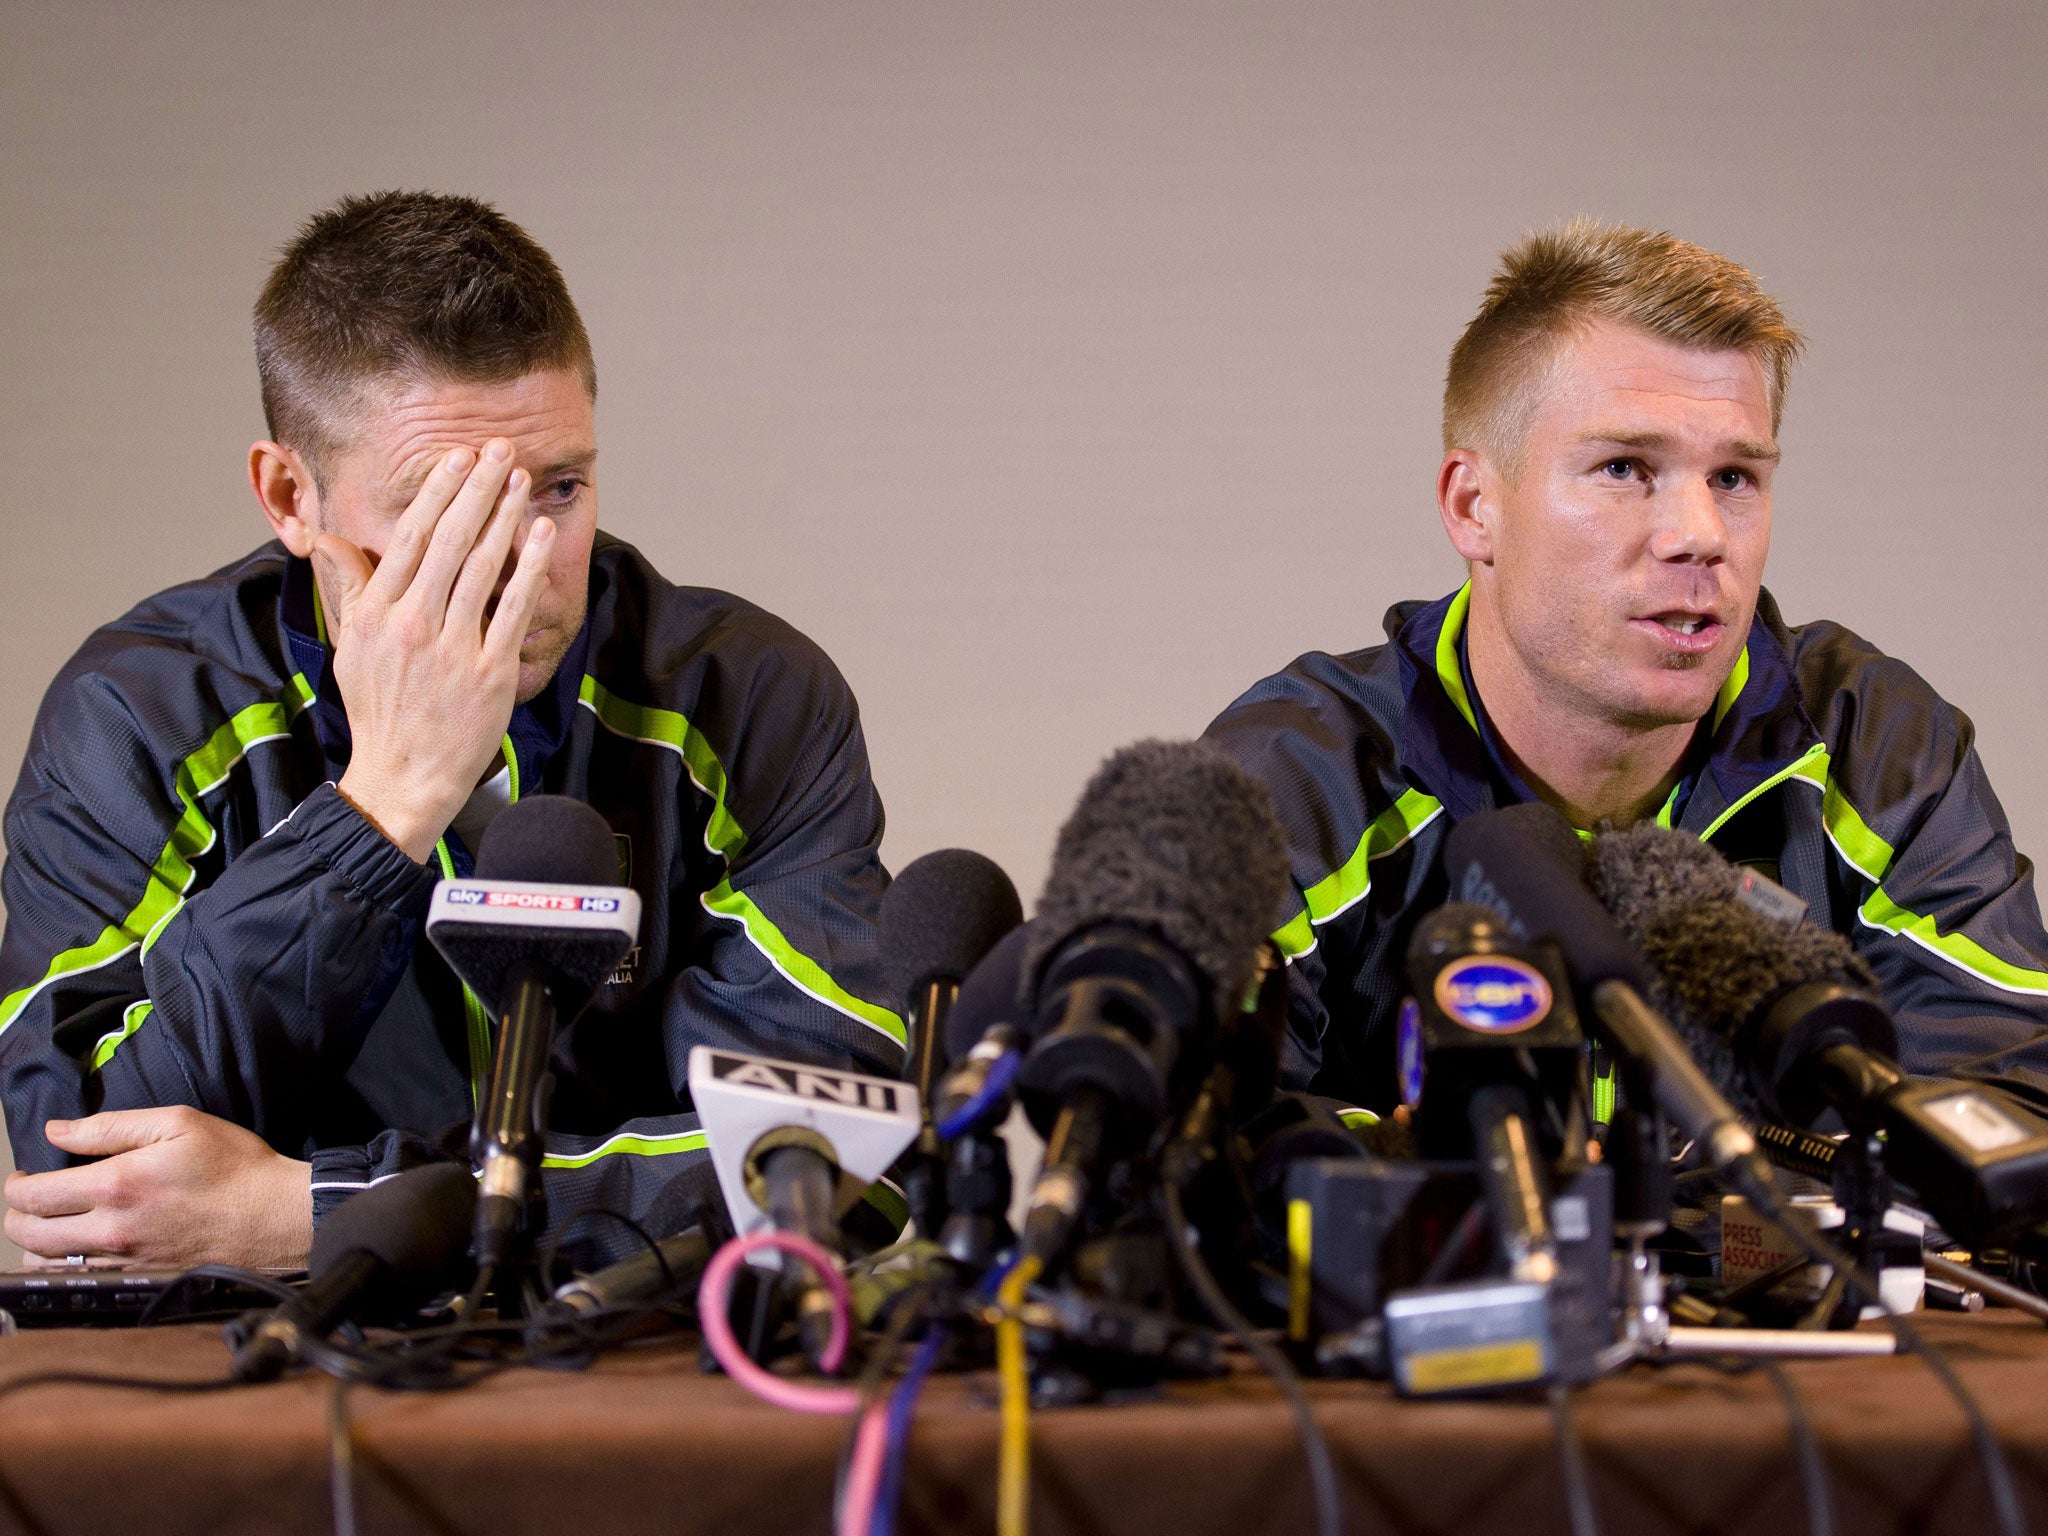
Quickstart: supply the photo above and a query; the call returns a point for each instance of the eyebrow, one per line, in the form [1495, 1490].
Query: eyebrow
[1741, 448]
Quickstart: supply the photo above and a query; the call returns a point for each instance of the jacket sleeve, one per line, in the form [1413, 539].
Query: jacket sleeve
[122, 986]
[786, 963]
[1950, 921]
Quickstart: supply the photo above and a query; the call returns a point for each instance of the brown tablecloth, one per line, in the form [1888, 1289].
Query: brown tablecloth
[643, 1442]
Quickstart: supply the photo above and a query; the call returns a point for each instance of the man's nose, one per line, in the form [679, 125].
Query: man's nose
[1689, 525]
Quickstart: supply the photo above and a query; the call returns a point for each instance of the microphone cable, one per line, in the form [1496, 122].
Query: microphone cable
[902, 1413]
[1571, 1461]
[341, 1460]
[1013, 1467]
[2005, 1501]
[1321, 1469]
[874, 1375]
[1813, 1469]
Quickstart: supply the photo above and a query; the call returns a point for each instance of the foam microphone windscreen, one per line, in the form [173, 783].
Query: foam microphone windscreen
[942, 915]
[1718, 962]
[1173, 837]
[1527, 863]
[549, 839]
[989, 996]
[416, 1224]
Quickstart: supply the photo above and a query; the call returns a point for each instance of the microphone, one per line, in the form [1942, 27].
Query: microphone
[794, 1146]
[1165, 881]
[1798, 1019]
[379, 1254]
[534, 935]
[1499, 1045]
[687, 1209]
[1527, 863]
[938, 919]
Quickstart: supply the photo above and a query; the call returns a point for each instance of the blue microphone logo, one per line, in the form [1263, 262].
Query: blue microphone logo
[1494, 994]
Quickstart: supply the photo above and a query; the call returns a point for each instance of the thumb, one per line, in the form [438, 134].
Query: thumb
[111, 1131]
[344, 570]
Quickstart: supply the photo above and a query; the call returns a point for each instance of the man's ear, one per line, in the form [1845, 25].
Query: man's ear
[287, 493]
[1467, 498]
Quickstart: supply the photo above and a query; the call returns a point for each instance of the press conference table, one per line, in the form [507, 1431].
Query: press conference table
[643, 1442]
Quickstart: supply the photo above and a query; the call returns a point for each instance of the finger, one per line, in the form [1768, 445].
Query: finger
[486, 562]
[521, 597]
[414, 530]
[59, 1237]
[344, 573]
[456, 533]
[62, 1192]
[115, 1130]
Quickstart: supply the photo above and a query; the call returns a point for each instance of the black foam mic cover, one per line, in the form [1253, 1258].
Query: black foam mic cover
[414, 1224]
[1527, 863]
[989, 996]
[549, 839]
[942, 915]
[1176, 838]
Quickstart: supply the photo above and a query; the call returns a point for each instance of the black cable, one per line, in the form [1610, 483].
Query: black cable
[1571, 1462]
[341, 1461]
[1321, 1470]
[2005, 1502]
[133, 1383]
[1813, 1470]
[552, 1249]
[269, 1285]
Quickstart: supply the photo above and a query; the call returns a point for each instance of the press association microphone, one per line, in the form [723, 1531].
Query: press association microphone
[392, 1247]
[1527, 863]
[1165, 881]
[539, 929]
[1795, 1017]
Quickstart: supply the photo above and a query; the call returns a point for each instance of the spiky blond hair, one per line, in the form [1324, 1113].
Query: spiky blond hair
[1557, 280]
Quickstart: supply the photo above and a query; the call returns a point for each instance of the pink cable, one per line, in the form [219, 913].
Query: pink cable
[864, 1472]
[714, 1296]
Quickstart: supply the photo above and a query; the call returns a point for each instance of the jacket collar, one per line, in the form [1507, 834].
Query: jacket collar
[538, 727]
[1759, 724]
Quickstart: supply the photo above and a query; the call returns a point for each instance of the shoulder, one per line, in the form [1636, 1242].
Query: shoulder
[1346, 706]
[734, 670]
[161, 680]
[644, 625]
[1891, 737]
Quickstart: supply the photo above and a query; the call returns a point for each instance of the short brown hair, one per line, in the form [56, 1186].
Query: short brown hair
[1557, 280]
[403, 286]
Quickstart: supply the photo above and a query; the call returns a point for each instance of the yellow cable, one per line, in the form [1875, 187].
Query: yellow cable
[1013, 1484]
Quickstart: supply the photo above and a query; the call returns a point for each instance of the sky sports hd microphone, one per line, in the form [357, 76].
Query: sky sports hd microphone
[539, 929]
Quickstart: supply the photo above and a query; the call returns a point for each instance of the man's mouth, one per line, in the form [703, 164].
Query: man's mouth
[1683, 630]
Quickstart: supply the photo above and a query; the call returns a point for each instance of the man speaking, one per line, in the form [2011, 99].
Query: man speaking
[217, 1013]
[1610, 436]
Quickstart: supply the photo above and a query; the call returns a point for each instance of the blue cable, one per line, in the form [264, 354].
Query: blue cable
[993, 1092]
[902, 1408]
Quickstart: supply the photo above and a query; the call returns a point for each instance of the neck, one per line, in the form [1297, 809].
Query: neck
[1588, 767]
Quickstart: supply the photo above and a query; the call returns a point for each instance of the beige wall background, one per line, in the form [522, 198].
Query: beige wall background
[1061, 367]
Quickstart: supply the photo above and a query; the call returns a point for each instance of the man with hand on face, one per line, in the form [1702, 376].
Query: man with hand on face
[1610, 437]
[218, 1013]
